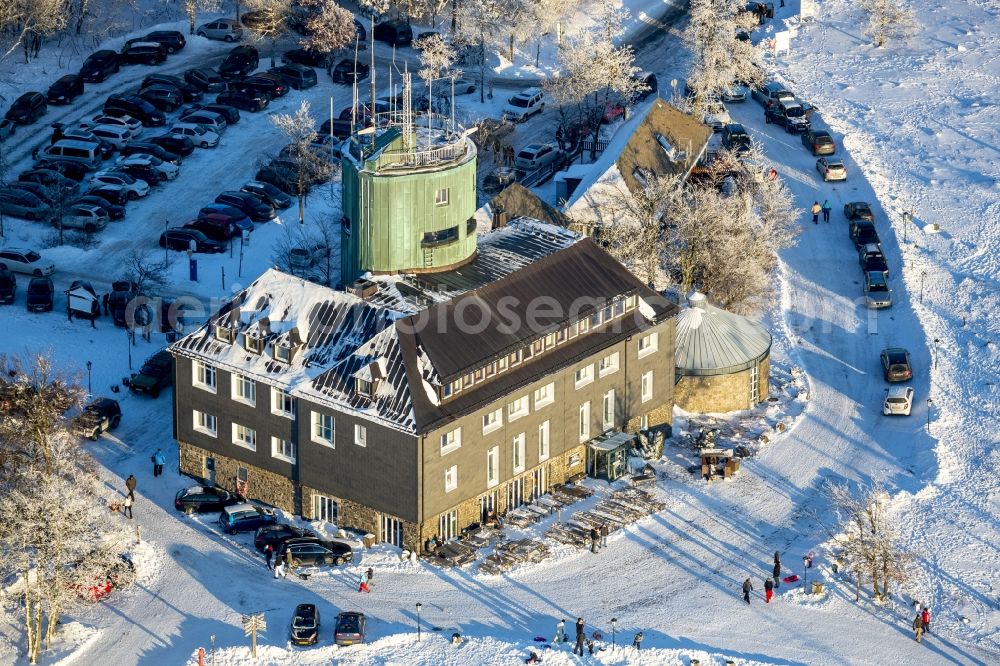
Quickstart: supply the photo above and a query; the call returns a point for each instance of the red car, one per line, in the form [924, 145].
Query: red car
[613, 111]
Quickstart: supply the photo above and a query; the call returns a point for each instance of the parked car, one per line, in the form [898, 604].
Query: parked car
[16, 202]
[223, 29]
[348, 71]
[716, 116]
[140, 172]
[831, 169]
[787, 113]
[871, 259]
[135, 188]
[295, 76]
[736, 94]
[614, 110]
[20, 260]
[189, 92]
[275, 534]
[122, 293]
[198, 134]
[136, 107]
[736, 139]
[113, 134]
[165, 98]
[217, 228]
[536, 155]
[308, 57]
[819, 142]
[311, 550]
[114, 211]
[101, 415]
[133, 125]
[53, 180]
[41, 295]
[207, 119]
[244, 100]
[143, 53]
[397, 33]
[79, 145]
[84, 217]
[113, 194]
[248, 204]
[66, 167]
[877, 292]
[203, 499]
[269, 194]
[27, 108]
[172, 41]
[283, 179]
[305, 625]
[271, 86]
[771, 92]
[37, 190]
[8, 287]
[156, 374]
[350, 629]
[175, 143]
[150, 148]
[99, 65]
[245, 517]
[205, 79]
[862, 232]
[524, 104]
[648, 83]
[241, 61]
[181, 239]
[230, 113]
[227, 215]
[858, 210]
[339, 129]
[896, 366]
[898, 401]
[65, 89]
[164, 170]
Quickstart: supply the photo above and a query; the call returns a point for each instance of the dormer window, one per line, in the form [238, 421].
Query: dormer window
[252, 344]
[282, 353]
[224, 334]
[363, 387]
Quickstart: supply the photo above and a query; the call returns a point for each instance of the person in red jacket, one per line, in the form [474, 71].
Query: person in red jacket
[768, 590]
[925, 615]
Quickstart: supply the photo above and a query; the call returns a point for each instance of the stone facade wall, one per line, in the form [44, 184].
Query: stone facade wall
[720, 393]
[263, 485]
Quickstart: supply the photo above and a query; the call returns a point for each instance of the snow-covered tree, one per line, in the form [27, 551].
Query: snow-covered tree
[546, 19]
[328, 26]
[25, 23]
[886, 19]
[436, 58]
[311, 165]
[482, 24]
[720, 60]
[192, 7]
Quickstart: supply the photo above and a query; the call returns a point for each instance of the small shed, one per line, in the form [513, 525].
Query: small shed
[607, 455]
[82, 300]
[721, 359]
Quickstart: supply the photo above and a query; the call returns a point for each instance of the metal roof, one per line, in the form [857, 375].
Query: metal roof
[711, 341]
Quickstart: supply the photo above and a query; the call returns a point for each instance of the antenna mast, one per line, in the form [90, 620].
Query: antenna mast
[407, 109]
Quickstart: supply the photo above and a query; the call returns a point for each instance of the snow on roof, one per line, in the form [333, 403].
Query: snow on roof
[712, 341]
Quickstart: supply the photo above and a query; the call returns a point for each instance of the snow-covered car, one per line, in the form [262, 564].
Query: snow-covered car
[269, 194]
[716, 116]
[877, 292]
[20, 260]
[199, 135]
[898, 401]
[126, 121]
[85, 217]
[136, 188]
[536, 156]
[736, 94]
[101, 415]
[116, 135]
[166, 170]
[770, 92]
[305, 625]
[245, 517]
[524, 104]
[831, 169]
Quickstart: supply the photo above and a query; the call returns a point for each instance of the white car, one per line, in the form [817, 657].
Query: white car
[135, 188]
[128, 122]
[21, 260]
[116, 135]
[524, 104]
[716, 116]
[735, 95]
[83, 216]
[199, 135]
[898, 400]
[166, 170]
[536, 156]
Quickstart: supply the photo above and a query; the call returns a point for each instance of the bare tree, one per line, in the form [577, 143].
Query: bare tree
[887, 19]
[311, 165]
[192, 7]
[720, 59]
[146, 271]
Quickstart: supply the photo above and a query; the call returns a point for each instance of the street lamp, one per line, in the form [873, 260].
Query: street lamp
[929, 403]
[128, 344]
[614, 621]
[936, 341]
[923, 274]
[805, 571]
[907, 217]
[419, 606]
[89, 364]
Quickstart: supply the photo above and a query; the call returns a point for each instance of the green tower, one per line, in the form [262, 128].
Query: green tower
[409, 197]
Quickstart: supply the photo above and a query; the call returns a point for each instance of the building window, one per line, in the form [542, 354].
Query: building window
[205, 423]
[451, 441]
[584, 375]
[441, 197]
[245, 437]
[608, 413]
[252, 344]
[322, 429]
[517, 409]
[448, 525]
[325, 508]
[647, 344]
[543, 442]
[574, 460]
[647, 386]
[585, 421]
[502, 364]
[244, 389]
[204, 376]
[451, 478]
[630, 303]
[283, 449]
[492, 421]
[608, 364]
[584, 325]
[561, 335]
[282, 404]
[363, 387]
[493, 466]
[644, 422]
[224, 333]
[360, 435]
[283, 353]
[518, 450]
[545, 395]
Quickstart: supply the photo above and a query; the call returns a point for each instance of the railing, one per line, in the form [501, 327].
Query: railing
[415, 157]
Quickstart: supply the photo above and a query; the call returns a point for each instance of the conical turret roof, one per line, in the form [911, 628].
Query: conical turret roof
[712, 341]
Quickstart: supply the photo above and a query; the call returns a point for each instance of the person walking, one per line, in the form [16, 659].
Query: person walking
[777, 569]
[604, 535]
[918, 627]
[637, 641]
[580, 636]
[768, 589]
[127, 505]
[747, 589]
[279, 570]
[363, 582]
[130, 483]
[816, 208]
[826, 208]
[268, 553]
[594, 536]
[560, 632]
[925, 618]
[159, 460]
[104, 301]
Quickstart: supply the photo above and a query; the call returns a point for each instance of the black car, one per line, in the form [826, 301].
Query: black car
[736, 139]
[179, 145]
[345, 70]
[305, 625]
[65, 89]
[163, 97]
[41, 294]
[241, 61]
[283, 179]
[338, 128]
[50, 179]
[156, 374]
[205, 79]
[230, 113]
[101, 415]
[248, 204]
[150, 148]
[397, 33]
[137, 107]
[143, 53]
[268, 194]
[43, 194]
[244, 100]
[99, 65]
[203, 499]
[863, 232]
[113, 195]
[274, 535]
[184, 239]
[72, 170]
[819, 142]
[140, 172]
[312, 550]
[189, 92]
[114, 211]
[122, 293]
[872, 260]
[308, 57]
[858, 210]
[8, 287]
[295, 76]
[270, 85]
[27, 108]
[172, 41]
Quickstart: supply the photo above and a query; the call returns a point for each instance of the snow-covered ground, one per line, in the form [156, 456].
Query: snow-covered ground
[918, 126]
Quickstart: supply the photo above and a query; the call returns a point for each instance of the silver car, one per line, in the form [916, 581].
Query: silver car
[83, 216]
[225, 29]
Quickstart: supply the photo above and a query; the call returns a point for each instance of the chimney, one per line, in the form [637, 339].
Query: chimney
[696, 300]
[363, 289]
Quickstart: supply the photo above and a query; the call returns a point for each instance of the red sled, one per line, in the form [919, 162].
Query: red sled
[790, 579]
